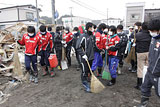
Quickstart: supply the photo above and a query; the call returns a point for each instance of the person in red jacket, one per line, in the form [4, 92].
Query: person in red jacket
[67, 37]
[31, 41]
[98, 48]
[105, 37]
[47, 48]
[113, 47]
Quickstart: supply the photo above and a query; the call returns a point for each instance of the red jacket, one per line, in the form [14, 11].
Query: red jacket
[113, 45]
[46, 40]
[99, 43]
[104, 40]
[31, 44]
[67, 37]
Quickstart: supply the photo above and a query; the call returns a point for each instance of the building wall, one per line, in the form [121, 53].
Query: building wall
[77, 21]
[151, 14]
[135, 12]
[8, 15]
[23, 13]
[114, 22]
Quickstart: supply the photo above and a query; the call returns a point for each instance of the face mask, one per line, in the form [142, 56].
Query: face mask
[106, 30]
[92, 30]
[110, 33]
[119, 32]
[43, 33]
[66, 31]
[136, 27]
[153, 34]
[74, 32]
[30, 34]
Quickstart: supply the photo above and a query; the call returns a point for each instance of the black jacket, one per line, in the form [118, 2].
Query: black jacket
[123, 43]
[143, 40]
[57, 41]
[154, 57]
[86, 42]
[76, 36]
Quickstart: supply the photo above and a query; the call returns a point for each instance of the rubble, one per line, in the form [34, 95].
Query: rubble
[11, 59]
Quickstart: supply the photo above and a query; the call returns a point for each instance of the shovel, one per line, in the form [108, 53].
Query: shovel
[63, 62]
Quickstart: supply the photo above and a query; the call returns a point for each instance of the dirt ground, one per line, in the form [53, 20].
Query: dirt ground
[65, 90]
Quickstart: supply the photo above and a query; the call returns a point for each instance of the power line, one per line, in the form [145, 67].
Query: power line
[7, 4]
[88, 8]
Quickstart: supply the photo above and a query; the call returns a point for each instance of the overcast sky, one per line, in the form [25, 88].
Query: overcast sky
[116, 8]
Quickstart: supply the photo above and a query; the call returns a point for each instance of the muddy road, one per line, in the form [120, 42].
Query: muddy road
[65, 90]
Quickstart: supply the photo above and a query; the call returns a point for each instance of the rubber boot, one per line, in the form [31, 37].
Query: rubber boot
[36, 77]
[45, 72]
[144, 102]
[99, 73]
[86, 86]
[119, 70]
[112, 82]
[31, 77]
[52, 73]
[139, 83]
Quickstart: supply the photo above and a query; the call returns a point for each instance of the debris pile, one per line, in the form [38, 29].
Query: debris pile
[11, 58]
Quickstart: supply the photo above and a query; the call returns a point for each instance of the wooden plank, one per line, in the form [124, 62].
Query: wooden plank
[6, 68]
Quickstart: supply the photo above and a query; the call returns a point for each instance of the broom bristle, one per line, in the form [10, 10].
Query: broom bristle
[96, 85]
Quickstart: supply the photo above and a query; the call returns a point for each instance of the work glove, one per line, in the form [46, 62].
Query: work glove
[85, 57]
[134, 44]
[107, 47]
[65, 45]
[102, 52]
[63, 42]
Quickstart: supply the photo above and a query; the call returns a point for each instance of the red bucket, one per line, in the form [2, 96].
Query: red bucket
[53, 60]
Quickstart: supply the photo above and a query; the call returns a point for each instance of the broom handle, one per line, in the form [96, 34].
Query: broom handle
[88, 64]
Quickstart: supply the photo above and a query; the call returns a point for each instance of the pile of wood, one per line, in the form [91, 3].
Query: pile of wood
[9, 48]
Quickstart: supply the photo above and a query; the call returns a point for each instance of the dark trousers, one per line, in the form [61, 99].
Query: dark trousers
[59, 56]
[68, 53]
[150, 81]
[78, 58]
[134, 63]
[44, 58]
[121, 61]
[31, 59]
[85, 69]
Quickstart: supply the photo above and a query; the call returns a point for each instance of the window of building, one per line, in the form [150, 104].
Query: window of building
[29, 16]
[112, 21]
[134, 16]
[2, 27]
[66, 21]
[82, 22]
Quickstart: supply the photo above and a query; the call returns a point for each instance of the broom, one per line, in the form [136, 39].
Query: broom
[131, 55]
[106, 74]
[96, 85]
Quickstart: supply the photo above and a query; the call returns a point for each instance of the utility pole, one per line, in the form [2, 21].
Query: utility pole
[107, 16]
[71, 17]
[53, 11]
[37, 14]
